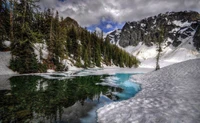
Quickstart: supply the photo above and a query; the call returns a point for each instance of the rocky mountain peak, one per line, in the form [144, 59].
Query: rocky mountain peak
[176, 25]
[70, 22]
[114, 36]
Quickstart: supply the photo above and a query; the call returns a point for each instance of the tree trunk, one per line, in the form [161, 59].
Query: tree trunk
[11, 20]
[158, 56]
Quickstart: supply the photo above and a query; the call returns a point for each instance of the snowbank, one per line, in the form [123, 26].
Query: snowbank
[4, 63]
[7, 43]
[170, 95]
[4, 82]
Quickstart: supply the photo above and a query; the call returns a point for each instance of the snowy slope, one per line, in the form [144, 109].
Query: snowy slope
[4, 82]
[180, 38]
[4, 63]
[170, 54]
[170, 95]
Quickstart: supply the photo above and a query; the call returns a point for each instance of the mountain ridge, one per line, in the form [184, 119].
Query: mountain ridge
[181, 37]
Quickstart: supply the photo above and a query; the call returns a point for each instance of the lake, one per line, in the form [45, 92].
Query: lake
[59, 99]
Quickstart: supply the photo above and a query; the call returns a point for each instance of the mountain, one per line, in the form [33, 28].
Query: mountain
[114, 36]
[69, 22]
[181, 37]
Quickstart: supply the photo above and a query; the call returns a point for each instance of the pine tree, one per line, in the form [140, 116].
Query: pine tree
[86, 58]
[73, 42]
[160, 38]
[24, 60]
[4, 22]
[62, 40]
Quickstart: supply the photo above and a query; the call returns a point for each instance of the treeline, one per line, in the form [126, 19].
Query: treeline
[24, 25]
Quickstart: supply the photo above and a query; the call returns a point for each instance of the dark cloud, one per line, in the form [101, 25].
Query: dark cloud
[89, 12]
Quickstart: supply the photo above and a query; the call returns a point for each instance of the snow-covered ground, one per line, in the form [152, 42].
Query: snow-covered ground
[112, 71]
[6, 56]
[4, 82]
[169, 55]
[4, 63]
[170, 95]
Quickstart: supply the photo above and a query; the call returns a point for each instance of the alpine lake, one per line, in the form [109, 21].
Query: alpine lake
[59, 99]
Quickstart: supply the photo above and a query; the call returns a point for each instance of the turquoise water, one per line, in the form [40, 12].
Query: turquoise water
[129, 88]
[61, 100]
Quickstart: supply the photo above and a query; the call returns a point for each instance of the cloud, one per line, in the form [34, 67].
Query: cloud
[91, 12]
[108, 26]
[98, 29]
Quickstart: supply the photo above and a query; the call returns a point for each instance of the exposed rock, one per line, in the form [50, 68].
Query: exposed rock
[69, 22]
[114, 36]
[197, 38]
[176, 43]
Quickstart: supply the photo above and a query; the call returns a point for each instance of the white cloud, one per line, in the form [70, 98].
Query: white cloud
[97, 29]
[108, 26]
[89, 12]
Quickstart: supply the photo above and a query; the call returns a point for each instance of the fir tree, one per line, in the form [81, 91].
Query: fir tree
[4, 21]
[24, 60]
[160, 38]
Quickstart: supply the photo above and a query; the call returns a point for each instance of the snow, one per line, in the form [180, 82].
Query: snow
[4, 63]
[143, 25]
[169, 23]
[50, 71]
[109, 81]
[4, 82]
[68, 63]
[40, 47]
[174, 30]
[169, 55]
[154, 21]
[112, 71]
[7, 43]
[181, 24]
[169, 95]
[118, 31]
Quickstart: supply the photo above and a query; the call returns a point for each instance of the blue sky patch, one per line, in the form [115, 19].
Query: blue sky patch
[106, 25]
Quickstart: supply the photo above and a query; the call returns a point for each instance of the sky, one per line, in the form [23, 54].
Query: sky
[108, 15]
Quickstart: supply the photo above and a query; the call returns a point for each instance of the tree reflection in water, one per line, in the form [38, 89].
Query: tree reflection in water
[36, 99]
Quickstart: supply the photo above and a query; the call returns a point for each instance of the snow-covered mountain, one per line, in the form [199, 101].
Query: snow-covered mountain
[114, 36]
[181, 38]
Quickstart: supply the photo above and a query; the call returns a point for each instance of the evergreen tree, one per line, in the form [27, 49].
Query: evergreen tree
[4, 22]
[24, 60]
[29, 26]
[160, 38]
[73, 42]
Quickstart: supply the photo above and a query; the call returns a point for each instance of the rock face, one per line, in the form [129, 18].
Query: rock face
[115, 36]
[69, 22]
[197, 38]
[175, 25]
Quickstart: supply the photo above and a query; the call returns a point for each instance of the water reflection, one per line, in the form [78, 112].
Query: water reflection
[36, 99]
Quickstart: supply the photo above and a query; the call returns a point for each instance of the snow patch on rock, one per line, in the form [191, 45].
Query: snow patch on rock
[181, 24]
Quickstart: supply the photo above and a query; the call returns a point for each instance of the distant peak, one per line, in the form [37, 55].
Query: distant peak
[70, 22]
